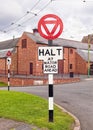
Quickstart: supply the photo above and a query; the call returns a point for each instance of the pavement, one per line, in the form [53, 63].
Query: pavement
[7, 124]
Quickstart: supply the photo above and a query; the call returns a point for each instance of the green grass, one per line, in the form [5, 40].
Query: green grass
[2, 84]
[33, 110]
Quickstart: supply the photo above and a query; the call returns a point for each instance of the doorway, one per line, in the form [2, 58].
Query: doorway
[91, 69]
[31, 68]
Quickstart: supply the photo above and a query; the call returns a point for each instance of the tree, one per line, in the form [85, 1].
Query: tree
[87, 39]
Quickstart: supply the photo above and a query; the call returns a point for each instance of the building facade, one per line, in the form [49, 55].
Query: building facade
[24, 55]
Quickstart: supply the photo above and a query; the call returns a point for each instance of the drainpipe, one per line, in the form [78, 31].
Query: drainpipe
[17, 58]
[5, 65]
[88, 56]
[68, 60]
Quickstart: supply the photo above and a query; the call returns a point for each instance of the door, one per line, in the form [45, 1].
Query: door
[91, 69]
[60, 66]
[31, 68]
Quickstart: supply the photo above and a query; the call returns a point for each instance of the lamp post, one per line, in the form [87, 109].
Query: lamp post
[88, 56]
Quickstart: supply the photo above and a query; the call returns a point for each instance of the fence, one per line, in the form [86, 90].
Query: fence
[24, 74]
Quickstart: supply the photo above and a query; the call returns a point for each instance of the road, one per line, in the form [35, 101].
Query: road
[76, 98]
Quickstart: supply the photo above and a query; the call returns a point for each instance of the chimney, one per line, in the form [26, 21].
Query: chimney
[35, 30]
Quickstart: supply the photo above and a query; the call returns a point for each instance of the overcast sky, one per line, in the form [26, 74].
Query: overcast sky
[17, 16]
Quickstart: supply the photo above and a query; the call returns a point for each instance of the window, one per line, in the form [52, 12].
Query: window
[71, 51]
[24, 43]
[63, 50]
[70, 66]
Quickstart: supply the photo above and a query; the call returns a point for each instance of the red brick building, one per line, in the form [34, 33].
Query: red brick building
[25, 55]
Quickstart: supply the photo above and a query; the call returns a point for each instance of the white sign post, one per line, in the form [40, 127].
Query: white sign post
[8, 64]
[50, 56]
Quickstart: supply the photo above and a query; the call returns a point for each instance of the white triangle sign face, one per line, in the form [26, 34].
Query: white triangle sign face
[50, 27]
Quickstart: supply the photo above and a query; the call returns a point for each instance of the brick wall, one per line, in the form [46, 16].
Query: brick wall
[2, 65]
[81, 65]
[28, 82]
[61, 66]
[26, 56]
[69, 59]
[66, 63]
[39, 64]
[13, 66]
[72, 59]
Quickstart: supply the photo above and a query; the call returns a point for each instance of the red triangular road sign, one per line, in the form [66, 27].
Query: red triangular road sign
[8, 53]
[48, 21]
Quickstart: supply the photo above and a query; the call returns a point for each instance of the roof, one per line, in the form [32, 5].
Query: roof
[84, 54]
[3, 53]
[37, 38]
[82, 48]
[8, 44]
[70, 43]
[59, 42]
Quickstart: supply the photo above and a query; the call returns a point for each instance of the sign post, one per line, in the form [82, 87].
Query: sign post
[50, 90]
[8, 64]
[50, 55]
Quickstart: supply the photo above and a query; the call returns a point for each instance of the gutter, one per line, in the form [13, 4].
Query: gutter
[77, 122]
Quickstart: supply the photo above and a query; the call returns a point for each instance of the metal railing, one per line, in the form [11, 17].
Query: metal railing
[25, 74]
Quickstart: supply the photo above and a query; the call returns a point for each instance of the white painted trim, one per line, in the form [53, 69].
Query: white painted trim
[50, 78]
[50, 103]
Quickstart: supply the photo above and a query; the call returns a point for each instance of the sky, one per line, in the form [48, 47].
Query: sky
[17, 16]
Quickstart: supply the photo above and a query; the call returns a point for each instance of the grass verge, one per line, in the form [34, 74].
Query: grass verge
[2, 84]
[33, 110]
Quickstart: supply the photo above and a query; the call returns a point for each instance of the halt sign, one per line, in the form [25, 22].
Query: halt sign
[50, 56]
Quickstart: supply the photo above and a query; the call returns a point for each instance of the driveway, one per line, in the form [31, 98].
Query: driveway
[76, 98]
